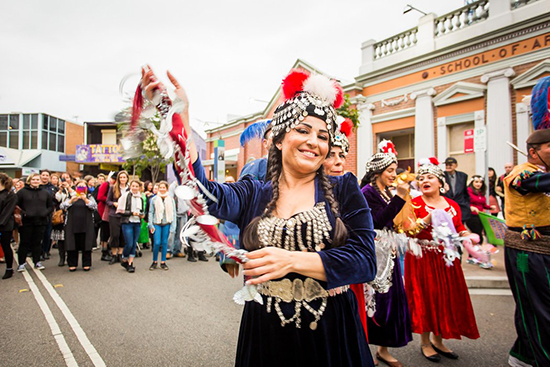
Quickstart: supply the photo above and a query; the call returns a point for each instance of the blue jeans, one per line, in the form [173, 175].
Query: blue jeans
[160, 238]
[131, 235]
[175, 244]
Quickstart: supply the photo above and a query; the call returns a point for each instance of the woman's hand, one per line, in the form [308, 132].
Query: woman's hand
[73, 200]
[180, 92]
[267, 264]
[115, 204]
[152, 230]
[403, 190]
[474, 209]
[149, 82]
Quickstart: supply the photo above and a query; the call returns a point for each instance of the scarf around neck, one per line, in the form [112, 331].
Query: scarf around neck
[163, 205]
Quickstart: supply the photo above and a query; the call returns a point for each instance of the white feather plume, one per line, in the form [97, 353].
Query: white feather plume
[321, 86]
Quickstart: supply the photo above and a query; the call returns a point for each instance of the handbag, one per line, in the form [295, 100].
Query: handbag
[58, 217]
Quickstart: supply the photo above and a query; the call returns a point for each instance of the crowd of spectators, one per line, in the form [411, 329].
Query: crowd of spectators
[116, 213]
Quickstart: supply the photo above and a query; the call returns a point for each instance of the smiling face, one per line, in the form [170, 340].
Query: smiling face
[134, 187]
[334, 164]
[162, 189]
[387, 177]
[35, 181]
[477, 183]
[305, 147]
[123, 179]
[429, 184]
[45, 177]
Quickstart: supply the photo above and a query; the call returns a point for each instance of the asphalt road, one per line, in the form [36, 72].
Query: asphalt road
[181, 317]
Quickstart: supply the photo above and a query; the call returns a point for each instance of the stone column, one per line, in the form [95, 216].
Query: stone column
[424, 144]
[442, 144]
[364, 135]
[522, 129]
[479, 121]
[499, 118]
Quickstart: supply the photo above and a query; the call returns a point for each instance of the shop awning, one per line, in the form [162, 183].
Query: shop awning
[13, 158]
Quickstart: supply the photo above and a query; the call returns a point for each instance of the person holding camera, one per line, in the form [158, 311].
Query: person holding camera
[79, 228]
[58, 219]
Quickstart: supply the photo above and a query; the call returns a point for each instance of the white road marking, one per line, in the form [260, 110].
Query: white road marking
[80, 334]
[54, 326]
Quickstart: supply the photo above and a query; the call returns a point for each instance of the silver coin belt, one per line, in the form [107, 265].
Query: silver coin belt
[287, 233]
[430, 245]
[301, 292]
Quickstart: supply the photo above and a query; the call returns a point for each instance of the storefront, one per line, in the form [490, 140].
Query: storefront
[434, 88]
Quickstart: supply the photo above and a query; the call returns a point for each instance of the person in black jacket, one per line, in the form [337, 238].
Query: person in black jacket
[36, 208]
[79, 228]
[8, 200]
[457, 190]
[51, 189]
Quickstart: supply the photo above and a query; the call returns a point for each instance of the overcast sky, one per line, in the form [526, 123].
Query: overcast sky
[67, 58]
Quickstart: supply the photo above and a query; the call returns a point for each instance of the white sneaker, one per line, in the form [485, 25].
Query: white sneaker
[21, 268]
[39, 266]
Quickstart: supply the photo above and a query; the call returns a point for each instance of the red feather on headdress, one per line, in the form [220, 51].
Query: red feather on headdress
[387, 146]
[294, 82]
[346, 126]
[339, 96]
[434, 161]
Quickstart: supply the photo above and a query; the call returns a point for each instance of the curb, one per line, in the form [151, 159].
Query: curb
[487, 282]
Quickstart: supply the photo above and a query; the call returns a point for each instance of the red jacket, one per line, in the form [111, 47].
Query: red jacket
[101, 197]
[478, 200]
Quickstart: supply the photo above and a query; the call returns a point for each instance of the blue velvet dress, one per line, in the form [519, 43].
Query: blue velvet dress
[391, 324]
[339, 339]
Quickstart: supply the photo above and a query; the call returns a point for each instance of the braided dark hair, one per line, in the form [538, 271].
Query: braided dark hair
[373, 183]
[251, 240]
[340, 230]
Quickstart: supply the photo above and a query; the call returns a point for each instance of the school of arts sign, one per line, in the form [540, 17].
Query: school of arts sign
[98, 153]
[514, 49]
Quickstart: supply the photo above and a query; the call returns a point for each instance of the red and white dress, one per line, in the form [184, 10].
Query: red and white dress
[439, 301]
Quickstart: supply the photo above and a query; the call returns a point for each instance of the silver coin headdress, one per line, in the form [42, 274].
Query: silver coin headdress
[307, 95]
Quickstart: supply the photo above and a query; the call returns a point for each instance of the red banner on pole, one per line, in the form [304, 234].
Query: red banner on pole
[469, 141]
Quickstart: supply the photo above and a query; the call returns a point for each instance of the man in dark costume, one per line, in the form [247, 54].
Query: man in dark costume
[527, 241]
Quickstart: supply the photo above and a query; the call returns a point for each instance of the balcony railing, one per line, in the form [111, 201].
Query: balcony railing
[396, 43]
[514, 4]
[462, 17]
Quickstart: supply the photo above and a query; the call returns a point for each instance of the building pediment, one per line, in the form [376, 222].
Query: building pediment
[532, 76]
[459, 92]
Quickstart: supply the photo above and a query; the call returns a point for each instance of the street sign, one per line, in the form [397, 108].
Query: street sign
[469, 141]
[480, 139]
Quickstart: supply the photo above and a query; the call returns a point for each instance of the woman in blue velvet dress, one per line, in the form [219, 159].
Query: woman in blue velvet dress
[390, 326]
[309, 238]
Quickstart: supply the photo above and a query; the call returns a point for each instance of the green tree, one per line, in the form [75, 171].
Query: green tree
[346, 110]
[150, 155]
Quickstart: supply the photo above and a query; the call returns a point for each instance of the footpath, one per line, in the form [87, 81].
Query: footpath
[483, 281]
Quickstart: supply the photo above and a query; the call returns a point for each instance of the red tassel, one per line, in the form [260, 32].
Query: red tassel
[433, 160]
[137, 108]
[294, 82]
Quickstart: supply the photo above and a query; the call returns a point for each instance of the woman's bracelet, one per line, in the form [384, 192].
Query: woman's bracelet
[420, 223]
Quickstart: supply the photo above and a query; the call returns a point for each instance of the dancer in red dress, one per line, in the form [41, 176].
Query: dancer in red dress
[438, 296]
